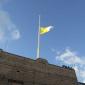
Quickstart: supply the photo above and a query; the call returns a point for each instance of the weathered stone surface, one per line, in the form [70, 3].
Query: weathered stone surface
[21, 70]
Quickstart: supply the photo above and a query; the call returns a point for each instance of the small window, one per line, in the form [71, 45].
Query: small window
[15, 82]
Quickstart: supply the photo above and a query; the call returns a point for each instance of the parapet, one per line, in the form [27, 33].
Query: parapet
[39, 64]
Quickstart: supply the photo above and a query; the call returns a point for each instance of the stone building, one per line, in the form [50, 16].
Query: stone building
[18, 70]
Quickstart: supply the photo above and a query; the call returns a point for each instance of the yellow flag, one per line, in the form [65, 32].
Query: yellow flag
[44, 30]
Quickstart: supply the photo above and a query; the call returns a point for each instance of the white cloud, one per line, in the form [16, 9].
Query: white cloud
[76, 69]
[8, 30]
[15, 34]
[83, 73]
[72, 58]
[83, 81]
[1, 35]
[69, 57]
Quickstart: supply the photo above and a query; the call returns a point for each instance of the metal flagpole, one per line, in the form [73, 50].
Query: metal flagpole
[38, 47]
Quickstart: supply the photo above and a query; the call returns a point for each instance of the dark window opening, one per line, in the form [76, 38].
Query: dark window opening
[15, 82]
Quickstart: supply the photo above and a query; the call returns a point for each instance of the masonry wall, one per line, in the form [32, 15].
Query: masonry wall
[33, 72]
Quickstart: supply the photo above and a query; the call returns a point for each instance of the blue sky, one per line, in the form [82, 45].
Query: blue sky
[65, 44]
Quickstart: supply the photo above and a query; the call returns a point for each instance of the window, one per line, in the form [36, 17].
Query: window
[15, 82]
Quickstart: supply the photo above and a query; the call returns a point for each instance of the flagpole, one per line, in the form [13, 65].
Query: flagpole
[38, 47]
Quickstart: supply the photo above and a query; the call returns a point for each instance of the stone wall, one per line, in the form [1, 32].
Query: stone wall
[14, 68]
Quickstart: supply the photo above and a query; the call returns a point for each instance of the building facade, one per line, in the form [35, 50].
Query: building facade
[18, 70]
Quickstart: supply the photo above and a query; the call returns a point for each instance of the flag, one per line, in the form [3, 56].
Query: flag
[44, 30]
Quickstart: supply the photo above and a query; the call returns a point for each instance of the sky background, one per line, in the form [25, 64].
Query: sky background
[64, 45]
